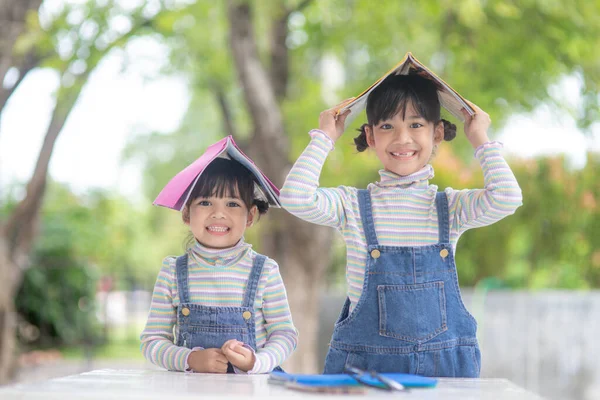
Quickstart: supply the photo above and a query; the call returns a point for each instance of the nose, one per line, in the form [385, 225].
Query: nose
[402, 136]
[218, 213]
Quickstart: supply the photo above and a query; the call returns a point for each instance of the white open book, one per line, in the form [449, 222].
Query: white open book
[449, 98]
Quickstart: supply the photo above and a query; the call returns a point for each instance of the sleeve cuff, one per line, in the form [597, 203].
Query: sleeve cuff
[322, 139]
[492, 145]
[187, 369]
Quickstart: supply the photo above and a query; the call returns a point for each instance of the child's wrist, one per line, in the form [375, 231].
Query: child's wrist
[246, 368]
[478, 140]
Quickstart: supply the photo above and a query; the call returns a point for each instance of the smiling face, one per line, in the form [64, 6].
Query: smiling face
[404, 142]
[219, 222]
[221, 205]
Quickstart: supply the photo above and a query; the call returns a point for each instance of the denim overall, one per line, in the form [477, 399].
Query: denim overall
[209, 326]
[410, 317]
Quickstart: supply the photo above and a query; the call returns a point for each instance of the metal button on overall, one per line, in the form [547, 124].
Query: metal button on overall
[444, 253]
[375, 253]
[247, 315]
[185, 311]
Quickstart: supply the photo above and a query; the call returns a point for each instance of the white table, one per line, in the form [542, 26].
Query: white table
[164, 385]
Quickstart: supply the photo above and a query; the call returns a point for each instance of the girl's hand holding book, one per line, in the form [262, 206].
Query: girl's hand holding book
[332, 123]
[476, 126]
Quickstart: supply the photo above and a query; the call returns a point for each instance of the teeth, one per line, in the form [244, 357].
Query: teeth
[409, 154]
[217, 229]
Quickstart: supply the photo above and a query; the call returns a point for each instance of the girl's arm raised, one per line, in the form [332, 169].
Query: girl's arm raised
[157, 337]
[501, 195]
[300, 194]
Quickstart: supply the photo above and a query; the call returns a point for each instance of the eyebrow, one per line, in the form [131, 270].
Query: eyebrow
[412, 117]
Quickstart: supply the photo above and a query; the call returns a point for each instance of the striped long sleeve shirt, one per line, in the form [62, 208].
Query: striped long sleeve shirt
[404, 210]
[218, 277]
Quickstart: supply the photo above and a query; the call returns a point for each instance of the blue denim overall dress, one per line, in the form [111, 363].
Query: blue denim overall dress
[410, 317]
[209, 326]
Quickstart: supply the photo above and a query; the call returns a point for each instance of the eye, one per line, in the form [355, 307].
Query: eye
[385, 126]
[416, 125]
[203, 203]
[233, 204]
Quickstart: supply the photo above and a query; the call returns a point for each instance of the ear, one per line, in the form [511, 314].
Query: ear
[251, 215]
[370, 136]
[438, 133]
[185, 215]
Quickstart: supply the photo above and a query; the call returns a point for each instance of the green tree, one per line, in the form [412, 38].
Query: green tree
[71, 42]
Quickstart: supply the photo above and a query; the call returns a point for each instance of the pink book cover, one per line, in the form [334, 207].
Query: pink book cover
[175, 194]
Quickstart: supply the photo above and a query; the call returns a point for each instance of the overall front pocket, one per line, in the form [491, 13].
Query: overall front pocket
[415, 313]
[215, 336]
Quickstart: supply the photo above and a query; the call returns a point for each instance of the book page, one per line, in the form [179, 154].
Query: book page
[264, 188]
[183, 199]
[449, 98]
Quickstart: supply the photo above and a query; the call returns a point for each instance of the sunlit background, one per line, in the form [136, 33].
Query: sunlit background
[137, 89]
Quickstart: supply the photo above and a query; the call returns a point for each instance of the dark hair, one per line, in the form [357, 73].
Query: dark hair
[225, 177]
[394, 94]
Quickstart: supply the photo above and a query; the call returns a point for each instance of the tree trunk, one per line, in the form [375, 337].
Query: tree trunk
[17, 235]
[18, 232]
[301, 249]
[8, 318]
[13, 14]
[304, 253]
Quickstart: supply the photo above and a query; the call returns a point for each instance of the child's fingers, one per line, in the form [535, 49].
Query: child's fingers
[334, 110]
[465, 114]
[219, 356]
[474, 106]
[340, 118]
[219, 367]
[229, 344]
[343, 103]
[243, 351]
[235, 358]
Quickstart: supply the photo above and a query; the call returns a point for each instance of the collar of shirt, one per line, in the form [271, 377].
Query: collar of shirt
[208, 257]
[419, 179]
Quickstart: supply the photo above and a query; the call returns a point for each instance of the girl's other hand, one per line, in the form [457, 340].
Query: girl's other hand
[208, 360]
[476, 126]
[238, 355]
[332, 123]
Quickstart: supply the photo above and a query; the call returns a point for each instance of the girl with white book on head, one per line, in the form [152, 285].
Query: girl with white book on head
[403, 312]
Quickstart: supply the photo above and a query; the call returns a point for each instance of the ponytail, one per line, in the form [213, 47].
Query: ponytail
[261, 205]
[361, 140]
[449, 130]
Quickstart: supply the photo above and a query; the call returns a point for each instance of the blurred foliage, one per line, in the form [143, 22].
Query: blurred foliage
[56, 300]
[82, 239]
[552, 241]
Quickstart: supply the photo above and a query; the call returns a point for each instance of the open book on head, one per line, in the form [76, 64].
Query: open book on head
[177, 192]
[449, 98]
